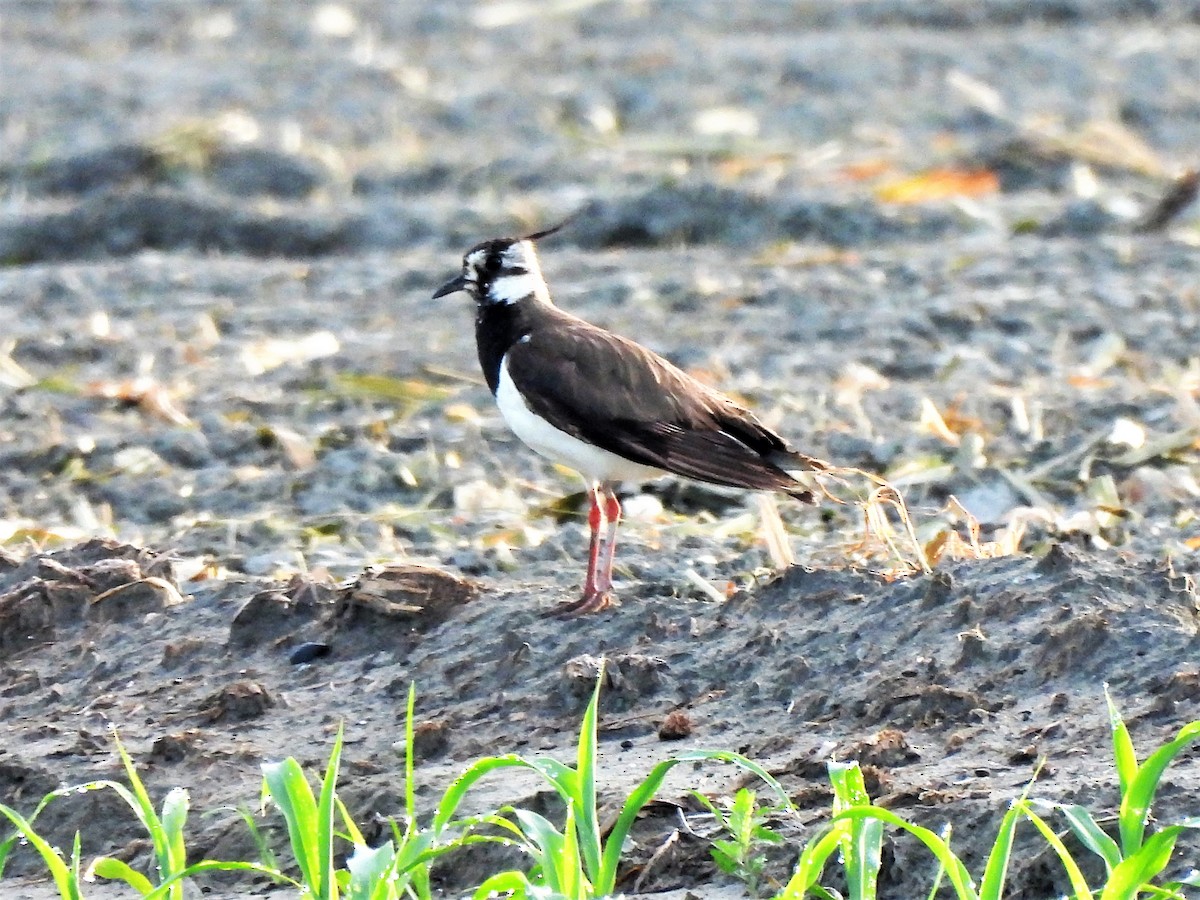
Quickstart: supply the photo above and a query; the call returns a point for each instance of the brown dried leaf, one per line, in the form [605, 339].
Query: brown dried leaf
[462, 412]
[774, 533]
[1107, 142]
[933, 422]
[939, 184]
[271, 353]
[865, 170]
[297, 449]
[949, 544]
[12, 374]
[144, 392]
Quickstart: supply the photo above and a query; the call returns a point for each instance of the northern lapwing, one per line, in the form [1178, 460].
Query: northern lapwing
[605, 406]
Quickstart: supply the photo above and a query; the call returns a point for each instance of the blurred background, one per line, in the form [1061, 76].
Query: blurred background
[903, 231]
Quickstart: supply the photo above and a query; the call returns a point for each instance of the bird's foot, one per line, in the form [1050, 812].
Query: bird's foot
[591, 602]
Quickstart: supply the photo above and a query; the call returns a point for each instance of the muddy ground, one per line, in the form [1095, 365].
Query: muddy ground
[225, 394]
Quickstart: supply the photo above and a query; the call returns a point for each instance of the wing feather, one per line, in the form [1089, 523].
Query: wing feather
[644, 408]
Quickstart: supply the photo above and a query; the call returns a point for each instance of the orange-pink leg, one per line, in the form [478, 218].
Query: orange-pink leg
[595, 544]
[608, 544]
[604, 515]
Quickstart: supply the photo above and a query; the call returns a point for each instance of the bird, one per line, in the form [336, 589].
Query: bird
[604, 405]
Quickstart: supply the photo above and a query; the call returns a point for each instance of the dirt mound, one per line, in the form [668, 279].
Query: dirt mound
[949, 690]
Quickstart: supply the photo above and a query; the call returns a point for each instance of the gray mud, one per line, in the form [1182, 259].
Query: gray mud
[225, 396]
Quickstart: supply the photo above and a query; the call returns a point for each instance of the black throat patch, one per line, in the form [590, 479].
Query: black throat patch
[497, 327]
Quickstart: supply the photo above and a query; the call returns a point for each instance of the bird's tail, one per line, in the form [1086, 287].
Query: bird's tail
[801, 469]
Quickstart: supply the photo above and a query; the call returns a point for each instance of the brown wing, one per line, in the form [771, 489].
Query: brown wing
[618, 395]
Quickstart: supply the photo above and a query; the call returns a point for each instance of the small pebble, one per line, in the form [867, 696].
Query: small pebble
[308, 651]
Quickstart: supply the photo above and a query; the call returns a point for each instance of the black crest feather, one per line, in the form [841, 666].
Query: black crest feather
[553, 229]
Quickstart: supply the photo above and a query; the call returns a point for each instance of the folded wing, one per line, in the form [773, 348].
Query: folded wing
[641, 407]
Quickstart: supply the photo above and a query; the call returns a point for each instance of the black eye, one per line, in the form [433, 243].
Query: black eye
[492, 264]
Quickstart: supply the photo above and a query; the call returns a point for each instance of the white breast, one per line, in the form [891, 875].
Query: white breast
[592, 462]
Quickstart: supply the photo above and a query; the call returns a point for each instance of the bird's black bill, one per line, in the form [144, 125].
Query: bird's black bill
[457, 283]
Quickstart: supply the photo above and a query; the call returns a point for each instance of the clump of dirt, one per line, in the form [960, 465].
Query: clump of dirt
[950, 692]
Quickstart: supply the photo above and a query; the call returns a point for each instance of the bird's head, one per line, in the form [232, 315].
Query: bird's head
[501, 271]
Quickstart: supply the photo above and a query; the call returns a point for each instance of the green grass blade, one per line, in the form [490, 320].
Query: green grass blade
[515, 884]
[143, 805]
[498, 821]
[1138, 796]
[1191, 879]
[960, 878]
[745, 763]
[214, 865]
[940, 875]
[996, 869]
[448, 805]
[286, 785]
[353, 834]
[1079, 885]
[143, 808]
[174, 817]
[418, 849]
[166, 832]
[862, 841]
[266, 856]
[7, 845]
[713, 809]
[369, 869]
[415, 846]
[562, 778]
[115, 870]
[65, 879]
[325, 819]
[547, 845]
[849, 788]
[991, 886]
[76, 854]
[570, 861]
[1090, 834]
[1125, 760]
[136, 797]
[811, 864]
[1137, 870]
[586, 815]
[866, 859]
[410, 790]
[605, 882]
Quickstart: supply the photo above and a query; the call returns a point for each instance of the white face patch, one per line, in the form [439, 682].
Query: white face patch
[512, 288]
[518, 277]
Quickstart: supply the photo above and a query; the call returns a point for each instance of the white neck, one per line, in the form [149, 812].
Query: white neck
[514, 288]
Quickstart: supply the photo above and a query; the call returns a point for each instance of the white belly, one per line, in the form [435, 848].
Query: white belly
[592, 462]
